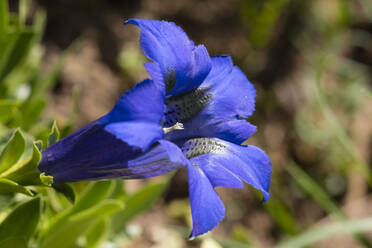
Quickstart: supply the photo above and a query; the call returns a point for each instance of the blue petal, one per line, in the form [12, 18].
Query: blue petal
[162, 158]
[237, 97]
[207, 209]
[182, 65]
[93, 154]
[136, 117]
[234, 130]
[218, 175]
[70, 158]
[155, 73]
[232, 95]
[221, 68]
[249, 163]
[216, 107]
[129, 129]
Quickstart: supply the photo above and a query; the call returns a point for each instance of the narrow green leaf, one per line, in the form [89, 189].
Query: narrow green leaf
[13, 151]
[13, 243]
[282, 216]
[66, 130]
[54, 134]
[46, 82]
[25, 172]
[95, 193]
[17, 52]
[22, 221]
[39, 144]
[6, 109]
[31, 112]
[228, 243]
[65, 233]
[320, 233]
[23, 9]
[314, 189]
[119, 192]
[66, 190]
[96, 235]
[8, 186]
[39, 24]
[139, 202]
[320, 196]
[46, 180]
[4, 19]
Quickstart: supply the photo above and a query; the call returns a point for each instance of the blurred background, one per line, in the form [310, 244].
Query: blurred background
[311, 63]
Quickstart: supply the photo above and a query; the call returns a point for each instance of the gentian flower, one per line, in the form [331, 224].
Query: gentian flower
[191, 113]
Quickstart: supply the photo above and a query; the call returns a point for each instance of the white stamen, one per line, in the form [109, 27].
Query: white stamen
[177, 126]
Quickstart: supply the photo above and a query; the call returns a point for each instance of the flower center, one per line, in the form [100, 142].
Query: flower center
[200, 146]
[184, 107]
[177, 126]
[170, 80]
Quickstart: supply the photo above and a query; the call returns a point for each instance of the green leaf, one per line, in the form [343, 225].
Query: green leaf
[68, 229]
[228, 243]
[17, 52]
[7, 108]
[95, 193]
[46, 180]
[13, 151]
[39, 24]
[66, 190]
[260, 17]
[54, 134]
[119, 192]
[23, 9]
[4, 20]
[31, 112]
[45, 83]
[39, 144]
[22, 221]
[314, 189]
[25, 172]
[282, 216]
[13, 243]
[320, 233]
[8, 186]
[96, 235]
[320, 196]
[139, 202]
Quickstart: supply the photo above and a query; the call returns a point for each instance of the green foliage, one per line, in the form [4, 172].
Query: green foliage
[314, 189]
[97, 234]
[320, 233]
[23, 87]
[138, 202]
[282, 215]
[19, 166]
[260, 18]
[9, 186]
[65, 231]
[66, 189]
[12, 151]
[54, 134]
[74, 214]
[21, 223]
[13, 242]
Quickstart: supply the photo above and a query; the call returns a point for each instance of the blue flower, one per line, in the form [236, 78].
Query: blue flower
[190, 114]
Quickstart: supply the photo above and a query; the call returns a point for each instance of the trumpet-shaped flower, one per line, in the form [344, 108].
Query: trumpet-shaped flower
[200, 101]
